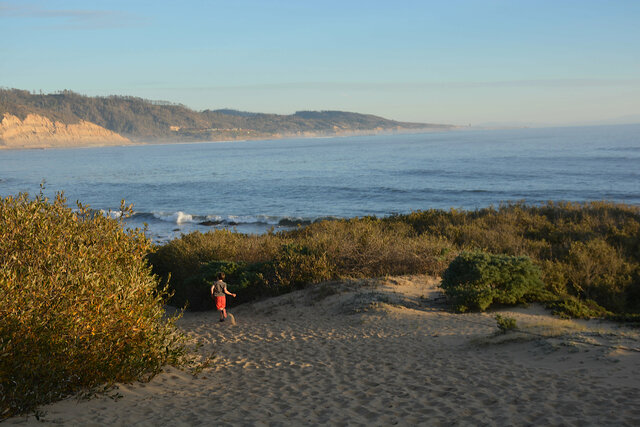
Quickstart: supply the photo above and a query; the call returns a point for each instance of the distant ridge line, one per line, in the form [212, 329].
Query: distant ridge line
[142, 120]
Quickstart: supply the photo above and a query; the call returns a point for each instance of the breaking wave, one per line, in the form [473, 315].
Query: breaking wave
[179, 218]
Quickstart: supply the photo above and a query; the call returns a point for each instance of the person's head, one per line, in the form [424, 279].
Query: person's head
[221, 276]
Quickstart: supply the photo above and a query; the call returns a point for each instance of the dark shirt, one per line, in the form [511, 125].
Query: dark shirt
[218, 288]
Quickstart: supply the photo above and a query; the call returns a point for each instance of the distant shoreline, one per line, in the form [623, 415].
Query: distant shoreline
[167, 141]
[162, 141]
[66, 118]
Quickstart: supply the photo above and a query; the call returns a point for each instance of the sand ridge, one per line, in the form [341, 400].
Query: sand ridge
[381, 352]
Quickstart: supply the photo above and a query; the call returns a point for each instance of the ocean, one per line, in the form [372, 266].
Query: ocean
[254, 186]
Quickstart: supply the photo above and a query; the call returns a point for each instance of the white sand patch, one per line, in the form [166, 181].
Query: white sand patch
[382, 352]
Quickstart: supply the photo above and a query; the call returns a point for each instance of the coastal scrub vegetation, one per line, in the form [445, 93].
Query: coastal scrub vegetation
[81, 298]
[581, 259]
[79, 306]
[274, 263]
[505, 324]
[476, 280]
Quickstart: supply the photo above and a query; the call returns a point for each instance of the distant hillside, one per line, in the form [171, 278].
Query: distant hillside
[141, 120]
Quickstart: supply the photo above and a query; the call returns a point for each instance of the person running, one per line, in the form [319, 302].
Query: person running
[218, 292]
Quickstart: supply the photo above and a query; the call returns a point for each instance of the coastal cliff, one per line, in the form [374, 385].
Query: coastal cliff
[66, 118]
[36, 131]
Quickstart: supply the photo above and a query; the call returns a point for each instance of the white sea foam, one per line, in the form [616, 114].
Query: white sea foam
[114, 214]
[181, 217]
[108, 213]
[176, 217]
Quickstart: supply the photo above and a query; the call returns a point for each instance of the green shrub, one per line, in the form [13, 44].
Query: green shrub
[370, 247]
[595, 270]
[79, 306]
[248, 281]
[633, 293]
[505, 324]
[554, 276]
[296, 265]
[475, 280]
[572, 307]
[292, 266]
[633, 318]
[194, 292]
[183, 257]
[586, 250]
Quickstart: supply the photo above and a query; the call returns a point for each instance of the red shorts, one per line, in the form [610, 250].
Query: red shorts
[221, 302]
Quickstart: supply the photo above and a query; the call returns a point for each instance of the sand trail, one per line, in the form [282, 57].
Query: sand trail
[381, 352]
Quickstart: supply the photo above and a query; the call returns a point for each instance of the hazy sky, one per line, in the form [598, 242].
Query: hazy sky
[460, 62]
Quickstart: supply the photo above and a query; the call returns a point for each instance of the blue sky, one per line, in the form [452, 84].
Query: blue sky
[460, 62]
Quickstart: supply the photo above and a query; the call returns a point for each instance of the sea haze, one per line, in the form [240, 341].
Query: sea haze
[256, 185]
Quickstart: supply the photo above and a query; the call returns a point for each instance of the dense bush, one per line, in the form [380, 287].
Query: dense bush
[572, 307]
[475, 280]
[369, 247]
[248, 281]
[292, 266]
[587, 251]
[506, 324]
[79, 306]
[184, 257]
[273, 263]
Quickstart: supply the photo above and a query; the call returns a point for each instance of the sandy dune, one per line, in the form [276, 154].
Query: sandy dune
[381, 352]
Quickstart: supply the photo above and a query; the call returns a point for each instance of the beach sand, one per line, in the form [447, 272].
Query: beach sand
[380, 352]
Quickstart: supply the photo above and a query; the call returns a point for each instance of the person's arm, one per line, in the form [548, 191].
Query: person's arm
[212, 288]
[226, 291]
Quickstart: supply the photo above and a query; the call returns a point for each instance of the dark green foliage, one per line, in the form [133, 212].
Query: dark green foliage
[633, 318]
[79, 306]
[572, 307]
[475, 280]
[505, 324]
[248, 281]
[292, 266]
[195, 291]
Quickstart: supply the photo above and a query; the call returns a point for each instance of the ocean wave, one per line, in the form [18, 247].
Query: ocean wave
[180, 218]
[176, 217]
[117, 214]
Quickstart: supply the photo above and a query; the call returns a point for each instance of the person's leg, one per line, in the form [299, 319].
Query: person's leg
[221, 305]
